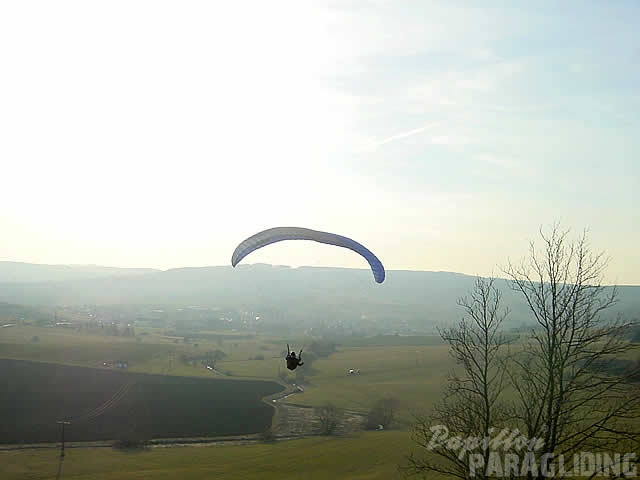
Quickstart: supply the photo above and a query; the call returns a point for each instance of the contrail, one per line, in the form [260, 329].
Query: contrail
[397, 136]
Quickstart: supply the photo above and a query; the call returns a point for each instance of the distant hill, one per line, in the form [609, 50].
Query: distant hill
[415, 298]
[19, 272]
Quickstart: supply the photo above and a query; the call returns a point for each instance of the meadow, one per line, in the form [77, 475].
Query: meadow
[407, 369]
[411, 369]
[369, 455]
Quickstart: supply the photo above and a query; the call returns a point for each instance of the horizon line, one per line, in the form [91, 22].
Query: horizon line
[293, 267]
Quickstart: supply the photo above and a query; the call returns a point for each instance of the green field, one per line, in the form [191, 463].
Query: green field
[152, 352]
[370, 455]
[411, 370]
[415, 375]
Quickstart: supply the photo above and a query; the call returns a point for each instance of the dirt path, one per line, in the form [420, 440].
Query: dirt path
[301, 420]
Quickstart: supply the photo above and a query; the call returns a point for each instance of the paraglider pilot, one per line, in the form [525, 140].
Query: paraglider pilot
[293, 361]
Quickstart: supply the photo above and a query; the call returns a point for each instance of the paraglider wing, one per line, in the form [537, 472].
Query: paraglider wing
[279, 234]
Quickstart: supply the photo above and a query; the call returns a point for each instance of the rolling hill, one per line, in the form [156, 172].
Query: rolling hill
[416, 298]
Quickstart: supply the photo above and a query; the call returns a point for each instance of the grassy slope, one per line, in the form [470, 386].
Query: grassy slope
[413, 373]
[153, 353]
[371, 455]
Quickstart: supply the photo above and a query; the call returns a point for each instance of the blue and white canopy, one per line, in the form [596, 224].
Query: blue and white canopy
[278, 234]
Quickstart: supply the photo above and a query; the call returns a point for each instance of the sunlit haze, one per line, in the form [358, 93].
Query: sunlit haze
[162, 134]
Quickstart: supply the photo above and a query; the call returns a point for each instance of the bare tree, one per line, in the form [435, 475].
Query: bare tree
[562, 387]
[330, 417]
[268, 435]
[471, 404]
[382, 413]
[566, 391]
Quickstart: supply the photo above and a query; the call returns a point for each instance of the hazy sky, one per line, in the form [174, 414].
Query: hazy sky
[161, 134]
